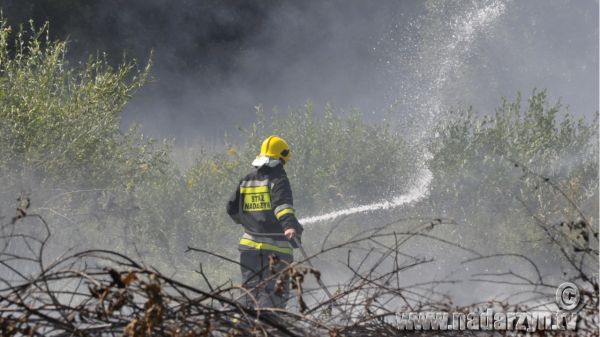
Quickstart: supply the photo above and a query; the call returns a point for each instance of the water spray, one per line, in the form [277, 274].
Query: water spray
[450, 56]
[418, 192]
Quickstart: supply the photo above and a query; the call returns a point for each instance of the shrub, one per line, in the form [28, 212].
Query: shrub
[474, 158]
[60, 139]
[336, 162]
[60, 122]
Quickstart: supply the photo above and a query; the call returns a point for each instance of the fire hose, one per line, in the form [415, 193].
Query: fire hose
[306, 258]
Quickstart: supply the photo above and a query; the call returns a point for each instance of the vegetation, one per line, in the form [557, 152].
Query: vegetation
[336, 161]
[105, 293]
[474, 161]
[524, 174]
[60, 140]
[61, 122]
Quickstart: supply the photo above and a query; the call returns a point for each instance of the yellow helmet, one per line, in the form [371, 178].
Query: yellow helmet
[277, 148]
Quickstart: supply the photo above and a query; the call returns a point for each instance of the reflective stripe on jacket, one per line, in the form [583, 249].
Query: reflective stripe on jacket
[248, 241]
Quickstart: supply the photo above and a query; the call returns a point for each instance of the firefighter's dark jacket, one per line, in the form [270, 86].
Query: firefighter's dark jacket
[263, 203]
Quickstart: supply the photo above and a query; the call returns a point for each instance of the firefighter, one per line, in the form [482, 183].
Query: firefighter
[262, 203]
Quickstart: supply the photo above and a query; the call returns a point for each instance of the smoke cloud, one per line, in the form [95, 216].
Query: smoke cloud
[215, 60]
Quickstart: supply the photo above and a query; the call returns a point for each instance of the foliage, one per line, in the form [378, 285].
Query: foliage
[474, 157]
[60, 139]
[336, 162]
[61, 123]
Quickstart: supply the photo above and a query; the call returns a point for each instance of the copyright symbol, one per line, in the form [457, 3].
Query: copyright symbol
[567, 296]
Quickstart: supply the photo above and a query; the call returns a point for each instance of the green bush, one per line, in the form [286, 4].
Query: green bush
[336, 162]
[475, 178]
[60, 122]
[60, 139]
[101, 187]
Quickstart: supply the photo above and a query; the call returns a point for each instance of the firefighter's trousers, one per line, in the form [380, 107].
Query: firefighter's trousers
[262, 277]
